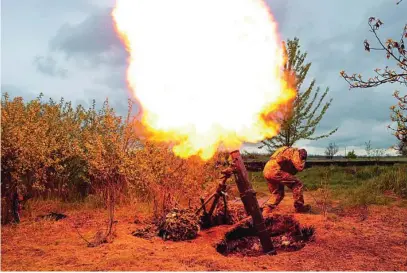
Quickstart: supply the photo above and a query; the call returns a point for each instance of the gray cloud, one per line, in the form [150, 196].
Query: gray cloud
[15, 91]
[361, 114]
[92, 42]
[48, 66]
[115, 79]
[116, 98]
[347, 47]
[51, 7]
[118, 101]
[279, 9]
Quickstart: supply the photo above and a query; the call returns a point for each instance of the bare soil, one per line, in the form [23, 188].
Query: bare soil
[372, 239]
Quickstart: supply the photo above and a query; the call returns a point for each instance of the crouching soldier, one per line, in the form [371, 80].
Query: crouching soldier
[279, 172]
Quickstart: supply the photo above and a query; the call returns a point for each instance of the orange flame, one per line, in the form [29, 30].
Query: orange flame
[206, 73]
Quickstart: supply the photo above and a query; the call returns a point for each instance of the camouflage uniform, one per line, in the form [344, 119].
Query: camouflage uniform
[279, 172]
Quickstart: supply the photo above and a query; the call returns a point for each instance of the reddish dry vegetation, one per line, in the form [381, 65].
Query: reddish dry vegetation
[352, 240]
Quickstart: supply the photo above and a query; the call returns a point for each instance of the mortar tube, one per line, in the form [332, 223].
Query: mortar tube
[250, 202]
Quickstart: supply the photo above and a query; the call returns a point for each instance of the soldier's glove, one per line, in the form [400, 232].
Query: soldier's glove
[228, 171]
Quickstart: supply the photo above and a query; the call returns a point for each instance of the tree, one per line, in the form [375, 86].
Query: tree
[351, 155]
[402, 148]
[331, 150]
[375, 153]
[300, 118]
[368, 148]
[395, 50]
[40, 149]
[107, 144]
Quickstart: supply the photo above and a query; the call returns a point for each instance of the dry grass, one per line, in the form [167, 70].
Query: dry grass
[342, 244]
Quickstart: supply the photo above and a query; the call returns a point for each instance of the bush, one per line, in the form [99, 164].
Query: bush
[351, 155]
[365, 195]
[53, 150]
[394, 179]
[167, 181]
[374, 182]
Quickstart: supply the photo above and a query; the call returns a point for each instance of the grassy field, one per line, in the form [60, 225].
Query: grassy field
[350, 185]
[266, 157]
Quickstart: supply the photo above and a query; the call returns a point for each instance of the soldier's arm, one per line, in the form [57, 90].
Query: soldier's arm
[299, 164]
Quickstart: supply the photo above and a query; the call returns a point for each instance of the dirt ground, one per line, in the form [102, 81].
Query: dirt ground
[355, 240]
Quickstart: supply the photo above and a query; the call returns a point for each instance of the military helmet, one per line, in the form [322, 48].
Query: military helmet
[303, 154]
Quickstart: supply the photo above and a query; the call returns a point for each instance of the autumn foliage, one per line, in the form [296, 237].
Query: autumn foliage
[55, 150]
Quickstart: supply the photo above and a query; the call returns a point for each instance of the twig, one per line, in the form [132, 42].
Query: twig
[265, 201]
[83, 238]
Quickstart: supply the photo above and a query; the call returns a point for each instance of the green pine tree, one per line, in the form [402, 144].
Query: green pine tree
[299, 119]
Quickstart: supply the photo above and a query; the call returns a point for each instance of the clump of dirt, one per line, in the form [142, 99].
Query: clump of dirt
[285, 232]
[178, 225]
[234, 214]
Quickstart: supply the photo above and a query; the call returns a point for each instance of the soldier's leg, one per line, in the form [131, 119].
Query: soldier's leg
[297, 187]
[298, 195]
[277, 194]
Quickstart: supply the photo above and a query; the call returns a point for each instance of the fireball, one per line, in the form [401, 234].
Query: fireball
[207, 74]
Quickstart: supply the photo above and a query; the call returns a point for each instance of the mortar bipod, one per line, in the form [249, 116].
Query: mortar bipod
[220, 192]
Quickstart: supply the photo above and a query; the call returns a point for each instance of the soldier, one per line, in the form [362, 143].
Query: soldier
[279, 172]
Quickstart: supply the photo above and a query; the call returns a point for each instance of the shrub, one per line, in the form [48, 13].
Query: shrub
[394, 179]
[377, 181]
[365, 195]
[166, 181]
[351, 155]
[53, 150]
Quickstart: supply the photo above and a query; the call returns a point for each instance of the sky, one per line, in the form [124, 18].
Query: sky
[70, 49]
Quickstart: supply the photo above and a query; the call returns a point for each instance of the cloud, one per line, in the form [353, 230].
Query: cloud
[48, 66]
[92, 42]
[15, 91]
[119, 101]
[50, 7]
[114, 79]
[361, 114]
[357, 132]
[279, 9]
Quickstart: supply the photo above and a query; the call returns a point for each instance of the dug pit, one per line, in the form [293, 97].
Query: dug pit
[285, 232]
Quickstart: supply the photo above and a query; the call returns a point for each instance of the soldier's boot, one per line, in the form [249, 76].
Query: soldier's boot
[303, 209]
[299, 198]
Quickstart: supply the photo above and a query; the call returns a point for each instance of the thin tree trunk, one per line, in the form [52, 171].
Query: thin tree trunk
[111, 206]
